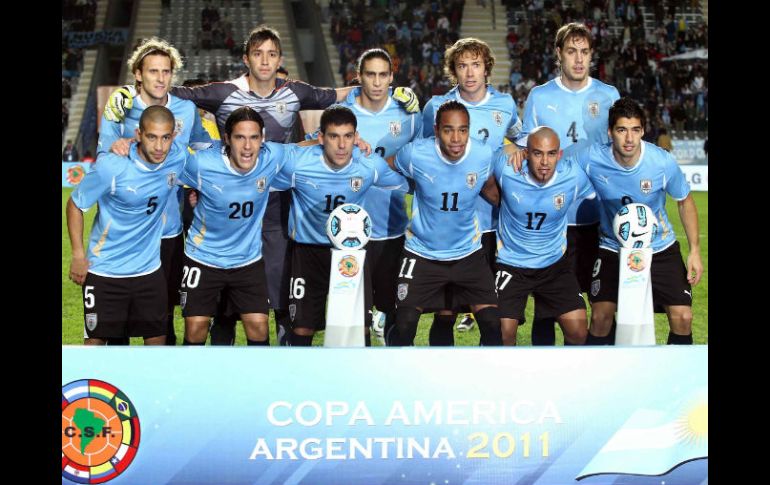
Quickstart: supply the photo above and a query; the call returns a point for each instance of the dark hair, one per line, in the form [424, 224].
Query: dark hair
[626, 107]
[259, 35]
[156, 114]
[375, 53]
[573, 29]
[451, 105]
[337, 115]
[244, 113]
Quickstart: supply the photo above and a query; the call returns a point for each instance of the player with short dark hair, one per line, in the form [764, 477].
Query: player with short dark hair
[443, 265]
[575, 106]
[123, 285]
[320, 178]
[631, 170]
[531, 255]
[468, 64]
[224, 243]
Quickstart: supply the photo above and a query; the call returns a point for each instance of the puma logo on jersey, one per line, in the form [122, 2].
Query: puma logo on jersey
[552, 107]
[429, 177]
[311, 183]
[604, 179]
[130, 189]
[516, 196]
[218, 187]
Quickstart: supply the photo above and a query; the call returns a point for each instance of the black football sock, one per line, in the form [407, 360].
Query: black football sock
[442, 331]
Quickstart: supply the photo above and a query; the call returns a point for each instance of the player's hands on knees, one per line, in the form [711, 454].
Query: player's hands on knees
[192, 198]
[78, 270]
[364, 146]
[694, 268]
[122, 146]
[516, 160]
[407, 98]
[120, 101]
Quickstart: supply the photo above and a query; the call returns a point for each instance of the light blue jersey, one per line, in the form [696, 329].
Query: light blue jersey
[445, 223]
[654, 175]
[131, 193]
[578, 117]
[533, 217]
[189, 131]
[317, 189]
[493, 119]
[387, 131]
[226, 230]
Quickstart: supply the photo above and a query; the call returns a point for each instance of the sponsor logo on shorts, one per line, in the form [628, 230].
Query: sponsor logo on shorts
[91, 321]
[597, 267]
[292, 311]
[403, 289]
[646, 186]
[100, 431]
[182, 298]
[348, 266]
[635, 261]
[595, 286]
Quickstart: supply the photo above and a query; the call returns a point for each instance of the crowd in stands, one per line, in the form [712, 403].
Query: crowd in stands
[216, 30]
[414, 32]
[77, 16]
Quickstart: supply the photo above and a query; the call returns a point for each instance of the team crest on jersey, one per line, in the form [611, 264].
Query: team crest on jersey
[356, 183]
[593, 109]
[498, 117]
[395, 128]
[91, 321]
[470, 179]
[646, 186]
[558, 201]
[261, 184]
[595, 286]
[171, 179]
[403, 289]
[179, 126]
[280, 107]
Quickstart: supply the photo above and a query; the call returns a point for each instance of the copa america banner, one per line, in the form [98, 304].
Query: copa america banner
[381, 416]
[73, 172]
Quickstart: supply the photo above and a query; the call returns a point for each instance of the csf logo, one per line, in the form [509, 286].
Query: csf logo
[100, 431]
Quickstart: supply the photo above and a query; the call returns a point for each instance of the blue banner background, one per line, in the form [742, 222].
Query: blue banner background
[202, 425]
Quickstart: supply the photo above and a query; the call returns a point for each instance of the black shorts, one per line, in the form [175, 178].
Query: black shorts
[582, 247]
[554, 287]
[201, 285]
[309, 286]
[384, 259]
[489, 248]
[276, 254]
[667, 272]
[125, 307]
[171, 257]
[431, 284]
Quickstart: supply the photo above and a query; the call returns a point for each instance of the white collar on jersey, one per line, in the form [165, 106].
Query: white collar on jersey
[229, 164]
[366, 112]
[472, 105]
[141, 104]
[558, 82]
[537, 184]
[327, 167]
[638, 162]
[450, 162]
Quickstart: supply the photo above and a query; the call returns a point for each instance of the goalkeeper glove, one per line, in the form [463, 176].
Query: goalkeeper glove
[407, 98]
[120, 101]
